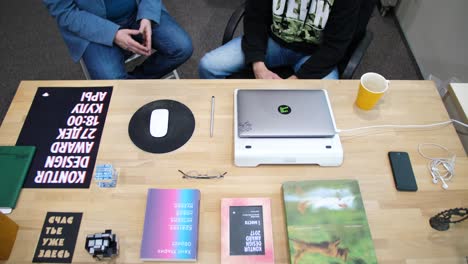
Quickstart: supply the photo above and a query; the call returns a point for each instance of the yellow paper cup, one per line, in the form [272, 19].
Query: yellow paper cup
[371, 88]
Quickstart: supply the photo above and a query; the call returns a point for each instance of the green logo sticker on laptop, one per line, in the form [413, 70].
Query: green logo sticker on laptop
[284, 109]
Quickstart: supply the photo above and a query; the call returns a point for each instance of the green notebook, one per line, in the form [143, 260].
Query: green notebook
[14, 166]
[327, 223]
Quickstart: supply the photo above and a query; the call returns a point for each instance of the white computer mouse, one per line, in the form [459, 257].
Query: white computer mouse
[159, 122]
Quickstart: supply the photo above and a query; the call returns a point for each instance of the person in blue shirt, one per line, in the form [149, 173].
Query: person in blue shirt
[105, 32]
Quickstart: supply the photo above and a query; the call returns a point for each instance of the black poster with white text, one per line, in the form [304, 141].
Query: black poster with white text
[58, 238]
[65, 125]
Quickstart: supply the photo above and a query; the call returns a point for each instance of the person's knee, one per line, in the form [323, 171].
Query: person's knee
[186, 50]
[333, 75]
[206, 66]
[114, 75]
[204, 63]
[183, 48]
[104, 63]
[108, 72]
[223, 61]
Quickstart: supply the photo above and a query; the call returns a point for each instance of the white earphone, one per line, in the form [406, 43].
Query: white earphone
[442, 169]
[436, 177]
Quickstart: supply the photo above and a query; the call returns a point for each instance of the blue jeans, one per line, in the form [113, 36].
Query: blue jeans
[172, 44]
[229, 58]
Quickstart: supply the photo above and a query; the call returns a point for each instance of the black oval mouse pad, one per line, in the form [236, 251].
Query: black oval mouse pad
[179, 130]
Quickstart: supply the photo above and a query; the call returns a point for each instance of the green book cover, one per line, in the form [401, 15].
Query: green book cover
[326, 223]
[14, 166]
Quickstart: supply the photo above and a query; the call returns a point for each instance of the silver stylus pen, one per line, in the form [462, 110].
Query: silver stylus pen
[212, 115]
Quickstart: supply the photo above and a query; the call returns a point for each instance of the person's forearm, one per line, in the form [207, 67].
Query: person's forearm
[150, 9]
[84, 24]
[258, 66]
[256, 20]
[338, 34]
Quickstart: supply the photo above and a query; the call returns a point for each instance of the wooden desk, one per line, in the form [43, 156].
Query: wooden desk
[398, 220]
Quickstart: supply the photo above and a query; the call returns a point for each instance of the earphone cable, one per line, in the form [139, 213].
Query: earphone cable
[441, 168]
[448, 122]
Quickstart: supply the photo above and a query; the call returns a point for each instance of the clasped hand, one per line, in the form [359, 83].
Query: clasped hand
[124, 39]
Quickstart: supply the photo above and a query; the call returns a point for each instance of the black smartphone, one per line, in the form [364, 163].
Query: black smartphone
[402, 171]
[139, 38]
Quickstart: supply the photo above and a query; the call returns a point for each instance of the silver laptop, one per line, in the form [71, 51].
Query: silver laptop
[284, 113]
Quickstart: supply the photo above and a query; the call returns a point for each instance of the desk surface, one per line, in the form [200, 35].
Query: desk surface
[398, 220]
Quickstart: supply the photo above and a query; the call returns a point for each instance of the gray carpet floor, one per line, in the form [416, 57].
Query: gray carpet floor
[32, 48]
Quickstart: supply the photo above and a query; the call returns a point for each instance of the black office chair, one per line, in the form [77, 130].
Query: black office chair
[348, 64]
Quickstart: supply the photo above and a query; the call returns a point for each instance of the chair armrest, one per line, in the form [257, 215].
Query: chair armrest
[233, 22]
[357, 55]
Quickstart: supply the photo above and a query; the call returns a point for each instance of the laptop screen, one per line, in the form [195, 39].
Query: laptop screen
[284, 113]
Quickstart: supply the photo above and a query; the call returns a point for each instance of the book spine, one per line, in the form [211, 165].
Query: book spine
[8, 230]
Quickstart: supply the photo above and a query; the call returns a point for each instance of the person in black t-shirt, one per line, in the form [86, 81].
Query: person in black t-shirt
[312, 36]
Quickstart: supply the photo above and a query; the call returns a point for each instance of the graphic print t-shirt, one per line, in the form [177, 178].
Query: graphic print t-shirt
[300, 20]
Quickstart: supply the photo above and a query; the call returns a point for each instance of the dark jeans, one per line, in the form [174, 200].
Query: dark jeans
[172, 44]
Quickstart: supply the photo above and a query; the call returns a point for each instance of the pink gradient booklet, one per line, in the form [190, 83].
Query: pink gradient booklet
[246, 231]
[170, 232]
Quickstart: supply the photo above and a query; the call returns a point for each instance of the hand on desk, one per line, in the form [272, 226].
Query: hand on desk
[124, 39]
[262, 72]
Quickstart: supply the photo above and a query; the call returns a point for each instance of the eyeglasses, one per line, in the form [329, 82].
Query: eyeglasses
[197, 175]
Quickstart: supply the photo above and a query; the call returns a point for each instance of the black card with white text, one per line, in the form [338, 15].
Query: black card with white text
[65, 125]
[58, 238]
[246, 230]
